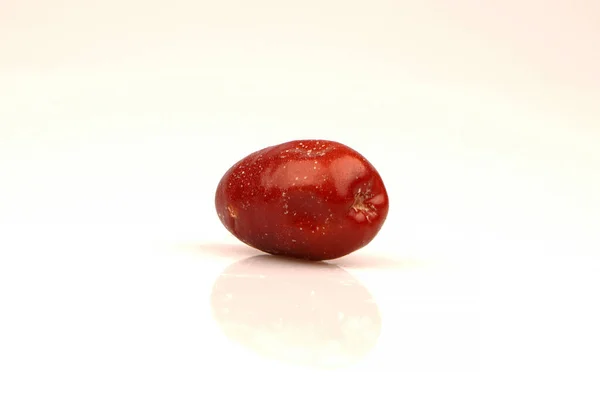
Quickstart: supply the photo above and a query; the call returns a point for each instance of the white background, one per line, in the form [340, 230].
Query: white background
[118, 118]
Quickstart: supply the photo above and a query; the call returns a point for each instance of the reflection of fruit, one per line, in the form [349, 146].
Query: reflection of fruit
[312, 199]
[312, 314]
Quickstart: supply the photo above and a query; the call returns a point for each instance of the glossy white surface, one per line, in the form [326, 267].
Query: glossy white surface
[118, 119]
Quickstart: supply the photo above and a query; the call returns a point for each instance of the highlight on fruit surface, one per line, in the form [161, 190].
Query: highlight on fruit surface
[310, 199]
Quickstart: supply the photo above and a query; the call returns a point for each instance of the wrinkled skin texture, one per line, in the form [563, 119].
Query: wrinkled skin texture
[310, 199]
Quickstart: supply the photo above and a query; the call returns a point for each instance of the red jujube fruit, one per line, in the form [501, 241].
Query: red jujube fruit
[311, 199]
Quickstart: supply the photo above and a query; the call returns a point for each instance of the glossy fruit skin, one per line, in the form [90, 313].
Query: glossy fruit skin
[310, 199]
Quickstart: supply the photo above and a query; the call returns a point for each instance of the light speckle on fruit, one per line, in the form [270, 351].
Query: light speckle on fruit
[232, 212]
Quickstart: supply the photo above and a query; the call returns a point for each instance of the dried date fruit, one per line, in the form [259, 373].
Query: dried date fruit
[310, 199]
